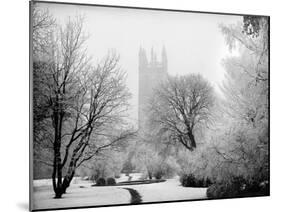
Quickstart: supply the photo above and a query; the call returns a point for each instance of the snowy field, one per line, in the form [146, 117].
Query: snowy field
[80, 193]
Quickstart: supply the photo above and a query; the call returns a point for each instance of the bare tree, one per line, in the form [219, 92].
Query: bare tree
[42, 25]
[85, 103]
[182, 105]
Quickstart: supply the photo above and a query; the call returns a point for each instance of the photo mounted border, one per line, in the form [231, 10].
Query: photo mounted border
[155, 148]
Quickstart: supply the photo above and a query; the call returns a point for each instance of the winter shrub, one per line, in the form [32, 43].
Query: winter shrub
[226, 189]
[256, 188]
[216, 191]
[208, 182]
[117, 176]
[164, 169]
[101, 182]
[110, 181]
[264, 188]
[189, 180]
[107, 165]
[237, 186]
[128, 167]
[158, 174]
[170, 167]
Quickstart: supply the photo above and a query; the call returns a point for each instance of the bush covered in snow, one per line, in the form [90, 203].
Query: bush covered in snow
[110, 181]
[238, 186]
[101, 182]
[158, 174]
[189, 180]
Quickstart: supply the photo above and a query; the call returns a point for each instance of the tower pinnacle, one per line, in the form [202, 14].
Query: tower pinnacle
[164, 59]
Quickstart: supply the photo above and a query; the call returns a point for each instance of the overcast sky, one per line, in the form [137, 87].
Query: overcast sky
[193, 41]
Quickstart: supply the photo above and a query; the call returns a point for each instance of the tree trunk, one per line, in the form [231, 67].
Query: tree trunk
[57, 176]
[66, 181]
[54, 175]
[57, 170]
[61, 188]
[57, 166]
[150, 175]
[69, 175]
[58, 192]
[192, 140]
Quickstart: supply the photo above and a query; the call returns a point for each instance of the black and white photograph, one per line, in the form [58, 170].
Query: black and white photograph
[140, 105]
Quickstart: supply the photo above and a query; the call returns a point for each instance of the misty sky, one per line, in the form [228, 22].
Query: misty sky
[193, 41]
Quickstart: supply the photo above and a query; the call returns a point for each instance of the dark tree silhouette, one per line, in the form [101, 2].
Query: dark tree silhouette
[180, 106]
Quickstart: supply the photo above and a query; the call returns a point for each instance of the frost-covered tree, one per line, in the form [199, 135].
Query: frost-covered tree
[181, 106]
[241, 144]
[84, 103]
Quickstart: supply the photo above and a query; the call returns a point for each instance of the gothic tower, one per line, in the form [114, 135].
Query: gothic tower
[151, 73]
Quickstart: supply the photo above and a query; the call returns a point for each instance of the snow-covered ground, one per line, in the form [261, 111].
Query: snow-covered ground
[80, 193]
[76, 196]
[168, 191]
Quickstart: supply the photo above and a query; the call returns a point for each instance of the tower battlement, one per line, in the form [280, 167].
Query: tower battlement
[153, 64]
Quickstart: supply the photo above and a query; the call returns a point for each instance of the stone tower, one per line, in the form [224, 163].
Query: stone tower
[151, 73]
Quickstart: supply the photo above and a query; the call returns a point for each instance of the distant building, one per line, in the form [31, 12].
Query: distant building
[151, 73]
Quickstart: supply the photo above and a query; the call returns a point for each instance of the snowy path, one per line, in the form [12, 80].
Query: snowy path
[168, 191]
[93, 196]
